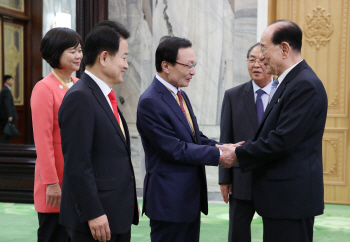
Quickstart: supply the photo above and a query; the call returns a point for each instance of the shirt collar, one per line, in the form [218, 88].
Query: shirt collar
[8, 86]
[285, 73]
[267, 88]
[167, 85]
[102, 85]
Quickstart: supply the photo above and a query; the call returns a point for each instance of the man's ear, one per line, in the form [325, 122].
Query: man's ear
[285, 49]
[102, 58]
[165, 67]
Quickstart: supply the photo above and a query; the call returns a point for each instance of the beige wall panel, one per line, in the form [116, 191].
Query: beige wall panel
[326, 48]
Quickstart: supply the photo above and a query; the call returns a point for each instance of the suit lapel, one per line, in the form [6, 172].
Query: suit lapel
[249, 104]
[172, 103]
[126, 130]
[290, 76]
[103, 102]
[194, 122]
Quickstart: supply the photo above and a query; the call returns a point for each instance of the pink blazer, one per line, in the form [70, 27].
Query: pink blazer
[45, 102]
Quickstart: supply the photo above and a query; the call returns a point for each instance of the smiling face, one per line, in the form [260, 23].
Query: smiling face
[117, 64]
[272, 54]
[257, 69]
[180, 75]
[71, 58]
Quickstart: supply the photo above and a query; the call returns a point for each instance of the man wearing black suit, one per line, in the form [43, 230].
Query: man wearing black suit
[286, 152]
[99, 193]
[239, 121]
[8, 112]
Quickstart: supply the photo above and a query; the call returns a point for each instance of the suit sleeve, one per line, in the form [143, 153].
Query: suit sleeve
[7, 102]
[226, 135]
[301, 108]
[42, 105]
[76, 119]
[155, 124]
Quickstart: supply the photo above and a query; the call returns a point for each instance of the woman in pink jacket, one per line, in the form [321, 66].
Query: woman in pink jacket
[62, 49]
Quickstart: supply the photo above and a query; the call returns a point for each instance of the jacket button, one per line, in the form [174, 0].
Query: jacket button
[131, 178]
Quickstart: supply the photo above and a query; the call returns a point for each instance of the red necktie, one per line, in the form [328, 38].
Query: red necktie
[181, 102]
[113, 100]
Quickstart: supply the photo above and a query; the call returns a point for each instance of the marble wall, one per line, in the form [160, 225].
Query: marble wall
[221, 32]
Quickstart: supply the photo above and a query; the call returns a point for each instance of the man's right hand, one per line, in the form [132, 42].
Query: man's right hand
[100, 228]
[226, 189]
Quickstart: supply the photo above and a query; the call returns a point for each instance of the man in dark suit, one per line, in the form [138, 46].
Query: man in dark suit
[98, 194]
[8, 112]
[286, 152]
[175, 188]
[240, 121]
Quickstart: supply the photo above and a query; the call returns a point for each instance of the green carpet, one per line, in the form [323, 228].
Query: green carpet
[18, 222]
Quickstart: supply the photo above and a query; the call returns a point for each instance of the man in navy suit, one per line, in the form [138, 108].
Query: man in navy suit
[175, 188]
[8, 112]
[98, 194]
[239, 121]
[286, 152]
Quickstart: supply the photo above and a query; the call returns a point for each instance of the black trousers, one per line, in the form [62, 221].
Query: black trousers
[82, 237]
[288, 230]
[49, 229]
[175, 232]
[241, 215]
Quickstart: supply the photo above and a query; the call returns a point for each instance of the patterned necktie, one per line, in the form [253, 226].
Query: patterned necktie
[273, 88]
[113, 100]
[181, 103]
[259, 105]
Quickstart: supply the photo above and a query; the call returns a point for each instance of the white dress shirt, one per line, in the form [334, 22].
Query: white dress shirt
[103, 86]
[285, 73]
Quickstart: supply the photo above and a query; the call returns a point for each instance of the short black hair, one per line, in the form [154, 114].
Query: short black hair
[287, 31]
[251, 48]
[105, 36]
[7, 77]
[55, 42]
[168, 49]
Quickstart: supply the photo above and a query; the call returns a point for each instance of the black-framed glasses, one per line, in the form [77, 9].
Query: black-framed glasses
[190, 67]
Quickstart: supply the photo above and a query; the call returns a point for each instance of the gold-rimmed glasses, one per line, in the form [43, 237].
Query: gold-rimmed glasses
[263, 49]
[252, 61]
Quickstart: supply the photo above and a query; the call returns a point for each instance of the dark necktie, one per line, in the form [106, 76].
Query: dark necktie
[273, 88]
[259, 105]
[113, 100]
[181, 103]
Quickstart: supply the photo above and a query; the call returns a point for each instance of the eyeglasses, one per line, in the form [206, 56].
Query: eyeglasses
[253, 61]
[190, 67]
[263, 49]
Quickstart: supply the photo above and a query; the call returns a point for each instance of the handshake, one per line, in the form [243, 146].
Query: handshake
[228, 157]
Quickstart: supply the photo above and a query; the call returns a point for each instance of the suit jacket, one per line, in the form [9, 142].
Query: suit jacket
[175, 188]
[286, 153]
[45, 101]
[98, 176]
[238, 123]
[7, 106]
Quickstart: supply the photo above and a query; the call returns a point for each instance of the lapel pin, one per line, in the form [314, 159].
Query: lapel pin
[278, 100]
[61, 86]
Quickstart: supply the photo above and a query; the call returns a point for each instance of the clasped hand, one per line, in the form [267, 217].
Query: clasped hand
[228, 157]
